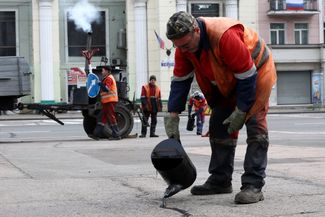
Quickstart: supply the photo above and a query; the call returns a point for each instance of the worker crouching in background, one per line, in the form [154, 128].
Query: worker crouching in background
[151, 105]
[109, 98]
[200, 104]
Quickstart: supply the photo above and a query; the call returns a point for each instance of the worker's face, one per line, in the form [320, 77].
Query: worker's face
[104, 72]
[153, 82]
[189, 42]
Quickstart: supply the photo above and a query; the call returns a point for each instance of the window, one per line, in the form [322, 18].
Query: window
[77, 38]
[7, 33]
[277, 33]
[277, 5]
[205, 10]
[301, 33]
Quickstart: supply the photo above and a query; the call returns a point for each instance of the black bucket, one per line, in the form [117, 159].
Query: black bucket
[190, 123]
[174, 165]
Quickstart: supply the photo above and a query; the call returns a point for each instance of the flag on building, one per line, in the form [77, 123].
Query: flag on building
[295, 5]
[160, 41]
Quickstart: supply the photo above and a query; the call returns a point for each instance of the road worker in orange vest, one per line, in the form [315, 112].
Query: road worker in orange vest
[151, 105]
[109, 99]
[200, 105]
[235, 72]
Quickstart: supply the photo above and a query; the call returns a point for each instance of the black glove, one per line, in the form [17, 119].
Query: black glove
[103, 87]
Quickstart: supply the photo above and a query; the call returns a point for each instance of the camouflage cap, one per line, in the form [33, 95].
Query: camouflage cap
[179, 24]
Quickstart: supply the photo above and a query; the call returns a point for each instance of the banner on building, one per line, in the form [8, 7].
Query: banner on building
[295, 5]
[317, 87]
[167, 63]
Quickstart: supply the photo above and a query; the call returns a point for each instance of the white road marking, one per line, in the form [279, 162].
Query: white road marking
[318, 123]
[300, 133]
[303, 115]
[35, 131]
[39, 123]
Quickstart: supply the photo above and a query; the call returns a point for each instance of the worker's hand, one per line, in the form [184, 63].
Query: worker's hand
[103, 87]
[235, 121]
[171, 126]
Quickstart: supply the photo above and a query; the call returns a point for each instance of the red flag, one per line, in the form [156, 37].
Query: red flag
[160, 41]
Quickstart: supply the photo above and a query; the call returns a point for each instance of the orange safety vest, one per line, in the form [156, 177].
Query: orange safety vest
[111, 95]
[156, 96]
[201, 103]
[224, 78]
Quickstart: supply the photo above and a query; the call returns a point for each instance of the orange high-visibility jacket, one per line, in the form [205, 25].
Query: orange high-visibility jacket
[146, 93]
[198, 103]
[224, 79]
[111, 95]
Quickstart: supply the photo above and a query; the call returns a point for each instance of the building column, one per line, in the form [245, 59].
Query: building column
[181, 5]
[46, 50]
[231, 7]
[321, 21]
[141, 68]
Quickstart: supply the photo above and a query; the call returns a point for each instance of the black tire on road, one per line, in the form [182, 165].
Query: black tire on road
[89, 124]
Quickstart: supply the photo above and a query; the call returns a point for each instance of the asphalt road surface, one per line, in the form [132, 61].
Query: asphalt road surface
[51, 170]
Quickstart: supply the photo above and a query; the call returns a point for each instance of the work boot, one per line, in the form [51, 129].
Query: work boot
[152, 131]
[143, 131]
[207, 189]
[249, 194]
[98, 131]
[115, 135]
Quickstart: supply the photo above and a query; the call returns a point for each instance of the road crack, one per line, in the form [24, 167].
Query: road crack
[18, 168]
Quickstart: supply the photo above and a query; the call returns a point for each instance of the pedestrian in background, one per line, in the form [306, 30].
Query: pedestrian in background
[200, 104]
[109, 99]
[235, 71]
[151, 105]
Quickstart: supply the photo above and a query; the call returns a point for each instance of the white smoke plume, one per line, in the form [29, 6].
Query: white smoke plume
[83, 14]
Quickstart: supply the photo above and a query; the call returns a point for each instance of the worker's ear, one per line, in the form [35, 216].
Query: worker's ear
[197, 29]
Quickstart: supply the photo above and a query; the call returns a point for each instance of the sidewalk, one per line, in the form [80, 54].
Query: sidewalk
[296, 109]
[31, 115]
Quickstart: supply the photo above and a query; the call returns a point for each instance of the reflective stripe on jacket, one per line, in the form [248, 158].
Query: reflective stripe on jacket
[225, 79]
[111, 95]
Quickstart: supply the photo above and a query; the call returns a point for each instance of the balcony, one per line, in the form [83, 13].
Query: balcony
[293, 53]
[286, 8]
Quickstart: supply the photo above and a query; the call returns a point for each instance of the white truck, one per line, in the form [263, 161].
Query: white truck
[14, 81]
